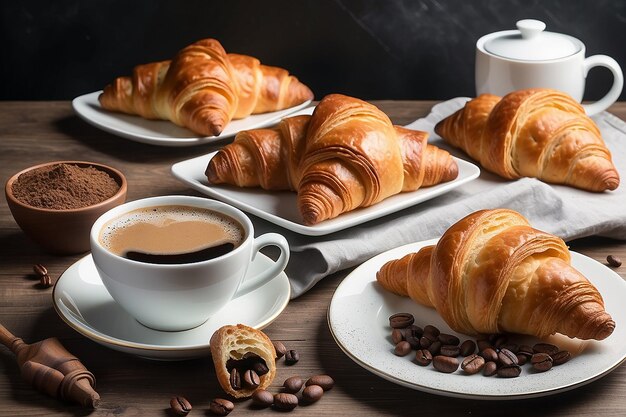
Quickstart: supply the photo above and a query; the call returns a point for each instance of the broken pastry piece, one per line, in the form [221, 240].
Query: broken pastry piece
[244, 358]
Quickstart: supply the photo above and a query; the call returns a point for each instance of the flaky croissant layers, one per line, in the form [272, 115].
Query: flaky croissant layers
[538, 133]
[345, 156]
[491, 272]
[203, 88]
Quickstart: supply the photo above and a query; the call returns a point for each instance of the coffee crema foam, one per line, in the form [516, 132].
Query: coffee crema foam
[171, 230]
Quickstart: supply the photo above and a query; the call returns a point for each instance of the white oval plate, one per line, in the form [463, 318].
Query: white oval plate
[82, 301]
[162, 132]
[358, 318]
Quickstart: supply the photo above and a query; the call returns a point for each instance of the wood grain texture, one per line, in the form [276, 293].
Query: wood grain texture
[35, 132]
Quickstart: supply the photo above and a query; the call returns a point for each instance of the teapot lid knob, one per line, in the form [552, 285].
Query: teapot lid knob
[529, 28]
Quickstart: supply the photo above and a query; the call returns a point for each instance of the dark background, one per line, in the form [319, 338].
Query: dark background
[59, 49]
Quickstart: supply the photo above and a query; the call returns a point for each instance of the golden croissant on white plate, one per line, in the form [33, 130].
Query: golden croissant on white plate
[491, 272]
[345, 156]
[203, 88]
[538, 133]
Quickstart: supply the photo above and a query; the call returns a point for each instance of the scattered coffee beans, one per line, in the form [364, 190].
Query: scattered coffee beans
[293, 384]
[496, 354]
[280, 349]
[541, 362]
[285, 401]
[251, 379]
[40, 270]
[180, 406]
[402, 349]
[614, 261]
[324, 381]
[45, 281]
[235, 379]
[445, 364]
[221, 407]
[312, 393]
[291, 357]
[473, 364]
[262, 398]
[423, 357]
[401, 320]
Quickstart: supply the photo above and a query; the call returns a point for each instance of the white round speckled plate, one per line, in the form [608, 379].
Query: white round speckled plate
[358, 318]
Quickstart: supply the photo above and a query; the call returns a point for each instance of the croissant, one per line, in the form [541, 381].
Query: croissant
[539, 133]
[491, 272]
[203, 88]
[346, 155]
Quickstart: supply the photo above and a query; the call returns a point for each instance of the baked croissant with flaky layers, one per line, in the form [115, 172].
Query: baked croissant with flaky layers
[203, 88]
[491, 272]
[539, 133]
[346, 155]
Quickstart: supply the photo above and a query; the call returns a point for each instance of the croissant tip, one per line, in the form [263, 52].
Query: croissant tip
[605, 331]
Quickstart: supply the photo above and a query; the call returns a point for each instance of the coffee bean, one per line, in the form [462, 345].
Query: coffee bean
[402, 349]
[525, 350]
[293, 384]
[397, 336]
[450, 350]
[413, 330]
[512, 371]
[285, 401]
[251, 379]
[510, 346]
[473, 364]
[324, 381]
[180, 406]
[312, 393]
[401, 320]
[262, 398]
[484, 344]
[423, 357]
[435, 348]
[448, 339]
[40, 270]
[235, 379]
[431, 330]
[522, 359]
[468, 347]
[490, 368]
[507, 358]
[561, 357]
[45, 281]
[221, 407]
[445, 364]
[280, 349]
[541, 362]
[414, 342]
[614, 261]
[260, 368]
[545, 348]
[291, 357]
[489, 354]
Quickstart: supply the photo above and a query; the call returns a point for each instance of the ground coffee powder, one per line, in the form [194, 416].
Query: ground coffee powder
[64, 186]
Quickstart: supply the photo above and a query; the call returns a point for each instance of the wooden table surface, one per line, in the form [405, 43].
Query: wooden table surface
[36, 132]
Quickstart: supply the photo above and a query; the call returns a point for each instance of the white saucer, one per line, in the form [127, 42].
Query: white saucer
[82, 301]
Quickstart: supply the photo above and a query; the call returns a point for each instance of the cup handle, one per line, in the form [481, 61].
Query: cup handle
[268, 239]
[618, 82]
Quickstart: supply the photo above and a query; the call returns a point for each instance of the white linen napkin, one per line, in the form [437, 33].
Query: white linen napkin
[564, 211]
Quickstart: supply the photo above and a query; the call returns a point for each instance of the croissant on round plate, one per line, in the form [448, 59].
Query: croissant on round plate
[539, 133]
[203, 88]
[491, 272]
[346, 155]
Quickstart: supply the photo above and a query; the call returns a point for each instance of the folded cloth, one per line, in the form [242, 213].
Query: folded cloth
[564, 211]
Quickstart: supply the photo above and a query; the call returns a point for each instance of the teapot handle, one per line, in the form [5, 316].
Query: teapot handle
[618, 82]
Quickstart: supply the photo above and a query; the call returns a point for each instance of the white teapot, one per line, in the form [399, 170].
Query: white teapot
[531, 57]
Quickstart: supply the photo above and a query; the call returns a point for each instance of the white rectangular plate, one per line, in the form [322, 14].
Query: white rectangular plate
[163, 132]
[280, 207]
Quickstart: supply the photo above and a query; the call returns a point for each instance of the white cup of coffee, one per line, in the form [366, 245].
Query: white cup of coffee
[173, 261]
[531, 57]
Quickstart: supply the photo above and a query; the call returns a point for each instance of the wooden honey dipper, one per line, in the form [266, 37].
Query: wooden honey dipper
[51, 369]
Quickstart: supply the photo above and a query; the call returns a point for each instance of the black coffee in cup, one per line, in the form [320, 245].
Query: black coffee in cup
[172, 234]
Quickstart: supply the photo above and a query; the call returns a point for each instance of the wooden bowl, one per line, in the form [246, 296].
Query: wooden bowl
[66, 231]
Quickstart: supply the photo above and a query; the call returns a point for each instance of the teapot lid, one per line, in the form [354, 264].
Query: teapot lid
[531, 43]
